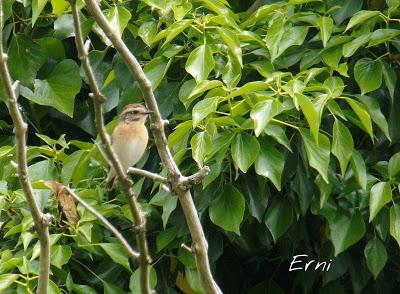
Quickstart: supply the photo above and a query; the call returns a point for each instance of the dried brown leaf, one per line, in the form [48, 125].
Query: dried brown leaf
[66, 203]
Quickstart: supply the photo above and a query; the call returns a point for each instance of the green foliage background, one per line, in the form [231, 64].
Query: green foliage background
[293, 106]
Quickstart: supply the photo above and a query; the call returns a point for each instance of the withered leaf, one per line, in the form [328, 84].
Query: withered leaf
[66, 203]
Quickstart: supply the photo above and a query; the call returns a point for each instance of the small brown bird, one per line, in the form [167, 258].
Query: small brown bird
[130, 137]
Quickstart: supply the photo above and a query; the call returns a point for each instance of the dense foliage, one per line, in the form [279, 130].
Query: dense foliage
[293, 106]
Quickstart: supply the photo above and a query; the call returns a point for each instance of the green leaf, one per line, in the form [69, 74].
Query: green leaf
[382, 35]
[360, 171]
[390, 78]
[200, 63]
[60, 255]
[201, 146]
[245, 149]
[111, 289]
[171, 31]
[53, 48]
[262, 113]
[264, 67]
[117, 253]
[278, 133]
[203, 108]
[363, 115]
[342, 145]
[227, 210]
[199, 89]
[232, 40]
[382, 223]
[394, 165]
[393, 5]
[297, 2]
[156, 69]
[381, 194]
[368, 74]
[346, 229]
[395, 222]
[232, 72]
[360, 17]
[334, 87]
[376, 114]
[279, 217]
[249, 87]
[6, 280]
[59, 89]
[177, 140]
[169, 206]
[318, 155]
[69, 166]
[326, 25]
[86, 230]
[351, 47]
[311, 113]
[165, 238]
[331, 56]
[376, 256]
[147, 31]
[25, 59]
[347, 9]
[325, 190]
[291, 37]
[134, 281]
[270, 163]
[43, 170]
[52, 288]
[37, 7]
[59, 6]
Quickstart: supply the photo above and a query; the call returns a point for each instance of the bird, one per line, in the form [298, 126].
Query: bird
[129, 138]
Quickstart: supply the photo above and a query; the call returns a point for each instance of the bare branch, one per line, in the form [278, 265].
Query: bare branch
[125, 182]
[189, 182]
[41, 222]
[132, 253]
[174, 175]
[147, 174]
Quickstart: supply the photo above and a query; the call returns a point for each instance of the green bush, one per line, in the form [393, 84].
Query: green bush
[293, 106]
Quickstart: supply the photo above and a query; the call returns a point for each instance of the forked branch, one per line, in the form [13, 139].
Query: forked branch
[125, 182]
[176, 179]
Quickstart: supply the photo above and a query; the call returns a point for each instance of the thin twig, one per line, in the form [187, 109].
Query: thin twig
[174, 175]
[41, 221]
[147, 174]
[125, 182]
[132, 253]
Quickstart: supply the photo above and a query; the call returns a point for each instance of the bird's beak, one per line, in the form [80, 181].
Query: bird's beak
[149, 112]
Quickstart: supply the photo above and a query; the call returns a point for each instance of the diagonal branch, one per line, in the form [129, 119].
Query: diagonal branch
[132, 253]
[126, 183]
[174, 175]
[41, 221]
[147, 174]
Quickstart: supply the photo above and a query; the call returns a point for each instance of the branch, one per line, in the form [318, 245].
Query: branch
[41, 221]
[174, 175]
[132, 253]
[254, 6]
[190, 181]
[126, 183]
[147, 174]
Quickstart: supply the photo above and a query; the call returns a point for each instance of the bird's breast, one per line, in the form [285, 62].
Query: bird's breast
[130, 142]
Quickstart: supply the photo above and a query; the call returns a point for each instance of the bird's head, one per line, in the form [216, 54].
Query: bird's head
[134, 113]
